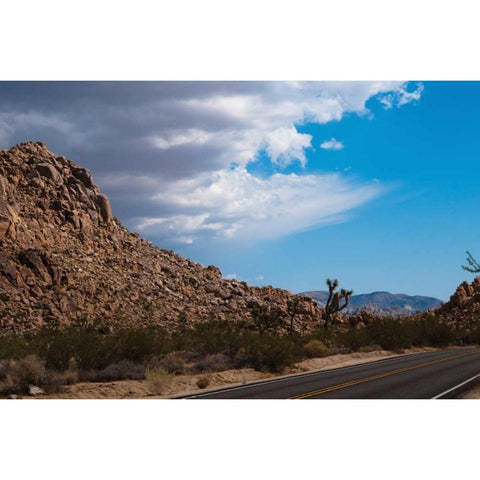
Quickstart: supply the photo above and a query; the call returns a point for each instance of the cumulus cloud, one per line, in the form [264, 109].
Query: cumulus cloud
[331, 144]
[175, 157]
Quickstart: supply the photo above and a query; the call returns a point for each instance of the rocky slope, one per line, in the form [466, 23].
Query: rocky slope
[381, 303]
[464, 304]
[63, 256]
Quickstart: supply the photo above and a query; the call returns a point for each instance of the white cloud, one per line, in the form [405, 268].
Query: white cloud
[331, 144]
[230, 276]
[400, 96]
[235, 205]
[263, 117]
[192, 136]
[285, 145]
[175, 156]
[259, 278]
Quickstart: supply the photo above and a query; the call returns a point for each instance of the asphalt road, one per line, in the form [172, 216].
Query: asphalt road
[420, 375]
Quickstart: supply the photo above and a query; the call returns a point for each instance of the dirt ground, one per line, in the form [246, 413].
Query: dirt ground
[161, 385]
[472, 394]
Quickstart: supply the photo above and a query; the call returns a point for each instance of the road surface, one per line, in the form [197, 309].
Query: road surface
[419, 375]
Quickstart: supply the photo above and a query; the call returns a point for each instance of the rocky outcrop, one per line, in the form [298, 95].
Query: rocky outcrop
[464, 304]
[63, 256]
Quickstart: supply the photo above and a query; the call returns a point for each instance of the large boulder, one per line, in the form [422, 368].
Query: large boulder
[103, 204]
[84, 176]
[49, 171]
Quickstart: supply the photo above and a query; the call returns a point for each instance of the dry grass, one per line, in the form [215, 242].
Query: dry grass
[158, 380]
[17, 376]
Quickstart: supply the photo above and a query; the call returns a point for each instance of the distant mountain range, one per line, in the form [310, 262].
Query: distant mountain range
[381, 303]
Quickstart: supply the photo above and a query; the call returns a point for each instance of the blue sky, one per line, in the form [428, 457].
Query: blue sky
[412, 239]
[234, 173]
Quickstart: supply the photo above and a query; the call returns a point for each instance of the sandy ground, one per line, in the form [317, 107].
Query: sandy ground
[472, 394]
[161, 385]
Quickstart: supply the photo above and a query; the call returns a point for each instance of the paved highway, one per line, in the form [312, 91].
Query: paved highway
[419, 375]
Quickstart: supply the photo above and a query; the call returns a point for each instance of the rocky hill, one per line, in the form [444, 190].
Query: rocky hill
[63, 256]
[464, 304]
[381, 303]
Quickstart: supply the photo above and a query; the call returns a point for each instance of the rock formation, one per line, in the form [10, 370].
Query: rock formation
[464, 304]
[64, 256]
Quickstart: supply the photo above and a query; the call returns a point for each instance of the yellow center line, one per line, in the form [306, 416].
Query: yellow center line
[374, 377]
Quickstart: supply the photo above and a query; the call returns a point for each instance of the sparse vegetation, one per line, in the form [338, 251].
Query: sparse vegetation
[56, 356]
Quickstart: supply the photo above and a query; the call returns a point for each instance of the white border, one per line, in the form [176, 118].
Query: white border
[226, 40]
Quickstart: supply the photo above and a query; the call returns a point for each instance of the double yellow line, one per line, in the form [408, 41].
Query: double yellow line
[375, 377]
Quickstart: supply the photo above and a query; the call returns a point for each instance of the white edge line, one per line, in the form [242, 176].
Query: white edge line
[306, 374]
[436, 397]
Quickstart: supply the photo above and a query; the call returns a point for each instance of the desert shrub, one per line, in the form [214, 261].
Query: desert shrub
[203, 382]
[390, 333]
[475, 335]
[140, 344]
[52, 381]
[28, 370]
[212, 363]
[91, 348]
[158, 380]
[353, 339]
[122, 370]
[72, 374]
[269, 352]
[18, 375]
[327, 337]
[171, 363]
[267, 319]
[433, 332]
[13, 347]
[316, 349]
[210, 337]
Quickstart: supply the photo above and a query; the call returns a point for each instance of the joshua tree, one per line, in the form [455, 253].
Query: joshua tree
[473, 265]
[334, 298]
[293, 305]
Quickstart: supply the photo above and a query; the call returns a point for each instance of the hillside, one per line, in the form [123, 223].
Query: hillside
[381, 303]
[64, 256]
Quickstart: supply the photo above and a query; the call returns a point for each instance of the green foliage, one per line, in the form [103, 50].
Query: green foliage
[397, 334]
[90, 348]
[270, 352]
[210, 337]
[266, 319]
